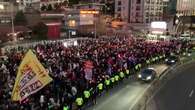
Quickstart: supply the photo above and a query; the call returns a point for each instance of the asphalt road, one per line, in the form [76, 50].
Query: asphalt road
[178, 93]
[125, 95]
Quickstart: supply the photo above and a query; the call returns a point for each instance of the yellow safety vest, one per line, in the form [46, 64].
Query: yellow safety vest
[139, 65]
[116, 78]
[153, 59]
[148, 61]
[127, 72]
[121, 74]
[100, 86]
[65, 108]
[79, 101]
[87, 94]
[107, 82]
[136, 67]
[112, 80]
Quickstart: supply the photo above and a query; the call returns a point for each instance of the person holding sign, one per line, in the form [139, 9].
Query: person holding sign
[31, 78]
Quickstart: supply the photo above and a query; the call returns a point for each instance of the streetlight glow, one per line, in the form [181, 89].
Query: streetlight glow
[2, 7]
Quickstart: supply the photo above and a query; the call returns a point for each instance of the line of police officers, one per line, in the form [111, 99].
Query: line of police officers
[109, 82]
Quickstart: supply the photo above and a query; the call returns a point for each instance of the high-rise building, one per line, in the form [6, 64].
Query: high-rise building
[140, 11]
[186, 7]
[23, 4]
[52, 2]
[36, 4]
[8, 8]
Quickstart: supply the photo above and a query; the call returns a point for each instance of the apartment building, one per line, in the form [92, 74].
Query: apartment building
[52, 2]
[186, 7]
[8, 8]
[140, 11]
[23, 4]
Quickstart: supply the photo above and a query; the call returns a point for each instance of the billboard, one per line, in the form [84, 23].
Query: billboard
[158, 27]
[86, 19]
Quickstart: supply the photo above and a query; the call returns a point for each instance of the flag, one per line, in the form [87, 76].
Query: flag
[31, 77]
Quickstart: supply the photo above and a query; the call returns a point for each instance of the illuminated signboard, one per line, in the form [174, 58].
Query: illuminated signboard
[89, 12]
[158, 27]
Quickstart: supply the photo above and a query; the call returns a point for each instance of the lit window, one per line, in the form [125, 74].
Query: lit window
[2, 21]
[72, 23]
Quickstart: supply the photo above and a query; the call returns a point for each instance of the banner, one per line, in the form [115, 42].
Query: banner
[31, 77]
[88, 66]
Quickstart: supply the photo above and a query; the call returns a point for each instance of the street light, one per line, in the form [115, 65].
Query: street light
[12, 17]
[2, 7]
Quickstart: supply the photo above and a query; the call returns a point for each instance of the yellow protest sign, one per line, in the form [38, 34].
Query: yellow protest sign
[31, 77]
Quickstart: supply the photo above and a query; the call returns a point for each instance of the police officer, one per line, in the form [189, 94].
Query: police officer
[112, 81]
[50, 106]
[65, 107]
[161, 57]
[122, 75]
[86, 94]
[164, 55]
[100, 88]
[127, 72]
[153, 59]
[139, 65]
[147, 62]
[136, 67]
[157, 58]
[107, 83]
[116, 77]
[79, 102]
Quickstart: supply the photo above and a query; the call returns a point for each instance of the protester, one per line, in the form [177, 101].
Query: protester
[93, 63]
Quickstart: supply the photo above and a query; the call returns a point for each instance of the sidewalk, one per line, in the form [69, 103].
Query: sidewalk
[126, 94]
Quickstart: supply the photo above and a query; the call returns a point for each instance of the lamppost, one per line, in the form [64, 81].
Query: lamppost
[12, 17]
[177, 21]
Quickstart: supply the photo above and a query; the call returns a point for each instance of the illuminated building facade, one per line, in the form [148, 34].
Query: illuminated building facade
[140, 11]
[186, 7]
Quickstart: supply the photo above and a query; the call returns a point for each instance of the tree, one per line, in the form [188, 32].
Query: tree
[40, 31]
[49, 8]
[20, 18]
[43, 7]
[73, 2]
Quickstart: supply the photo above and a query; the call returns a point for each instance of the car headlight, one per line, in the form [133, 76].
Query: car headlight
[166, 59]
[149, 78]
[139, 75]
[173, 61]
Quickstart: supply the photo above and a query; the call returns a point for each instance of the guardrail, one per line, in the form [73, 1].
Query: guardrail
[35, 42]
[157, 84]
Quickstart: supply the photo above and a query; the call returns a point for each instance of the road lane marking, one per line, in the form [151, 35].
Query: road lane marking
[191, 93]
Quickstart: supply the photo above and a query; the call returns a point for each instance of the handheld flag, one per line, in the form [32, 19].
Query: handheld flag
[31, 77]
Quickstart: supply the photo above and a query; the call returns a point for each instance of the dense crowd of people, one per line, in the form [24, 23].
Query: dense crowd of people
[75, 69]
